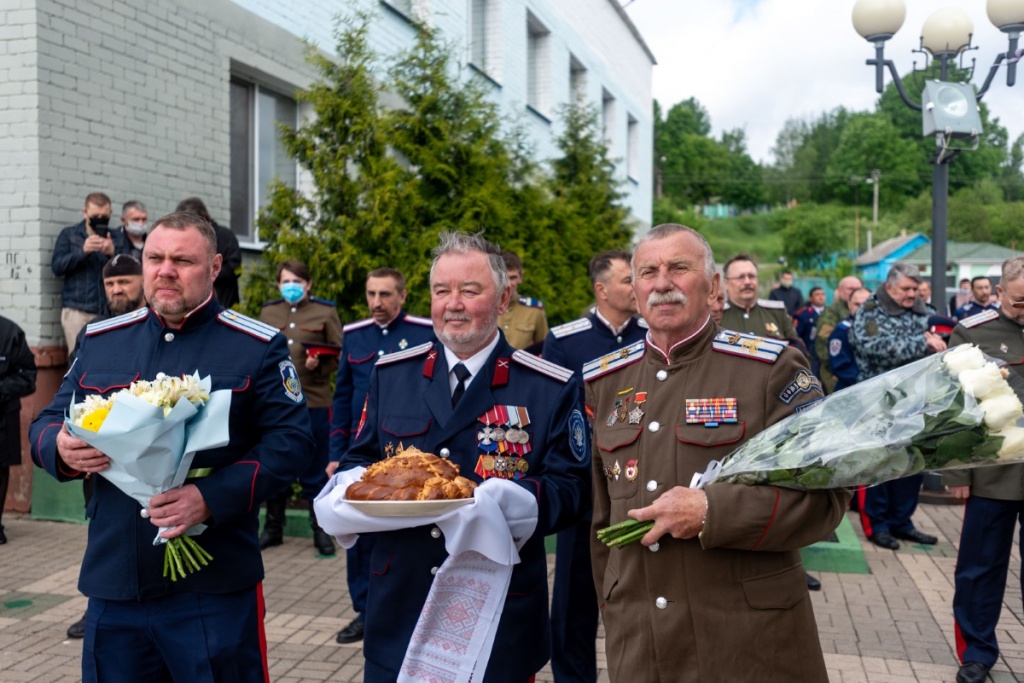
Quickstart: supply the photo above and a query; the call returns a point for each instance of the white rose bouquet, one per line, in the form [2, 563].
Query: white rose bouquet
[951, 410]
[151, 431]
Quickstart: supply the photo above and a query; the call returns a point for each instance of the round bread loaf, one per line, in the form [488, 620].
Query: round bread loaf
[411, 475]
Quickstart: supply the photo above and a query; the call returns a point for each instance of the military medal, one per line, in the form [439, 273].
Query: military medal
[1004, 348]
[503, 447]
[637, 413]
[402, 344]
[711, 412]
[632, 471]
[616, 470]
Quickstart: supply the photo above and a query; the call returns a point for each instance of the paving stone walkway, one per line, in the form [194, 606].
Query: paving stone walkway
[893, 625]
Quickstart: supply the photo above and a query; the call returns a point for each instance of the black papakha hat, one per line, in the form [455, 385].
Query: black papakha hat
[122, 264]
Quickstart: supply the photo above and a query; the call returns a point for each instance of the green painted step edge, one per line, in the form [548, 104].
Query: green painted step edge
[845, 557]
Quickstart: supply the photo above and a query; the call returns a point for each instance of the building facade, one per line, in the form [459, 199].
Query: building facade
[161, 101]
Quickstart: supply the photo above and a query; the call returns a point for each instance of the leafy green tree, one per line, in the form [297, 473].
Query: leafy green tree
[869, 142]
[387, 180]
[744, 185]
[693, 165]
[812, 234]
[345, 226]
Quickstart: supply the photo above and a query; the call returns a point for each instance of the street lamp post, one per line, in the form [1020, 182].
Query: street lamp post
[949, 108]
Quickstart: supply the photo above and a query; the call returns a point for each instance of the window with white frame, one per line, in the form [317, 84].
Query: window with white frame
[538, 65]
[632, 147]
[608, 118]
[257, 155]
[484, 36]
[577, 80]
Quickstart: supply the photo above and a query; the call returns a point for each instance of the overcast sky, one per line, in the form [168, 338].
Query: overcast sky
[755, 63]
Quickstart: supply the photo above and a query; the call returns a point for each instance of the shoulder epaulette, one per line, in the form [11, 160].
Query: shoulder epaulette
[570, 328]
[980, 318]
[358, 325]
[642, 323]
[533, 303]
[325, 302]
[748, 346]
[771, 303]
[419, 320]
[542, 366]
[272, 302]
[848, 322]
[120, 321]
[243, 323]
[389, 358]
[610, 362]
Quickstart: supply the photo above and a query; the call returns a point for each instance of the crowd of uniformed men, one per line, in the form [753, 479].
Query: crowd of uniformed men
[651, 343]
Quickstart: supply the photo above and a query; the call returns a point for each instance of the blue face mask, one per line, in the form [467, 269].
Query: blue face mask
[292, 292]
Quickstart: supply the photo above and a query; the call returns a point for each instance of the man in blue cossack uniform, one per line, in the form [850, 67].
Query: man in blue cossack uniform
[612, 325]
[207, 626]
[389, 329]
[981, 292]
[806, 322]
[841, 359]
[446, 398]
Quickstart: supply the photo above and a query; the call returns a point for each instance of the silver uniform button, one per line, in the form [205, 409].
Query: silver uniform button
[294, 310]
[380, 353]
[290, 342]
[661, 375]
[435, 533]
[654, 426]
[291, 326]
[384, 331]
[618, 339]
[652, 485]
[661, 603]
[654, 547]
[444, 453]
[169, 337]
[433, 571]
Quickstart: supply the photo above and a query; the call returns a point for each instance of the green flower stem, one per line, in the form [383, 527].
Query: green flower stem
[631, 537]
[624, 533]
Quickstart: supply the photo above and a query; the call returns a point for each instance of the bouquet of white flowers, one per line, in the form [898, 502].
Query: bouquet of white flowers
[151, 431]
[951, 410]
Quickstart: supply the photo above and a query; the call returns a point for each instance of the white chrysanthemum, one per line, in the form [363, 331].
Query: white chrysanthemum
[1001, 411]
[982, 381]
[963, 357]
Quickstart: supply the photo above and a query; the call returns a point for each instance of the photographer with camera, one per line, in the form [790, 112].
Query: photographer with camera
[79, 255]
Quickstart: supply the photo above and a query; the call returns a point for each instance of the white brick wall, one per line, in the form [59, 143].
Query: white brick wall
[23, 298]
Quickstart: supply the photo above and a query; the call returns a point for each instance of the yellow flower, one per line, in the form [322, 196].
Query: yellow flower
[94, 419]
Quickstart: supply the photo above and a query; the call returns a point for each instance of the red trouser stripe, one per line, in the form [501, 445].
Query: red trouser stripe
[261, 610]
[961, 644]
[862, 496]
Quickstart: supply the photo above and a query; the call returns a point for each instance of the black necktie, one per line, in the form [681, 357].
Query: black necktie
[462, 374]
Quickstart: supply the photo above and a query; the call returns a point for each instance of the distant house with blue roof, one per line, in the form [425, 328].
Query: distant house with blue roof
[873, 265]
[964, 260]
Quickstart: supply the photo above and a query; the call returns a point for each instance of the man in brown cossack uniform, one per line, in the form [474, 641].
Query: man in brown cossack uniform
[716, 590]
[995, 495]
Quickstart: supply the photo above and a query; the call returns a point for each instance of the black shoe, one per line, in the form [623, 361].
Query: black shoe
[972, 672]
[3, 536]
[324, 543]
[886, 541]
[916, 536]
[270, 537]
[77, 629]
[352, 633]
[813, 584]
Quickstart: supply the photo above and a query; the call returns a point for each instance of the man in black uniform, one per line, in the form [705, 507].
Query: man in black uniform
[17, 379]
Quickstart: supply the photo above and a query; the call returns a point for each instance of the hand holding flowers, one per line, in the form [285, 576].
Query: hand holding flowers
[151, 431]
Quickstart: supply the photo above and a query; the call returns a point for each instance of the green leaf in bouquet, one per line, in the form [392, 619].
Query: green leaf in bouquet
[780, 476]
[988, 449]
[816, 478]
[956, 446]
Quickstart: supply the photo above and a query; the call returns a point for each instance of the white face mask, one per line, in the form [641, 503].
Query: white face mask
[137, 229]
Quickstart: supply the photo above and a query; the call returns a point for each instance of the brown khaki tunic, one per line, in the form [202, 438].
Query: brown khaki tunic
[733, 604]
[312, 321]
[1002, 339]
[524, 323]
[767, 319]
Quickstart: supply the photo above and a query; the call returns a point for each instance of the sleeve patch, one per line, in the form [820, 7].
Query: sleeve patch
[803, 382]
[578, 435]
[834, 347]
[290, 380]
